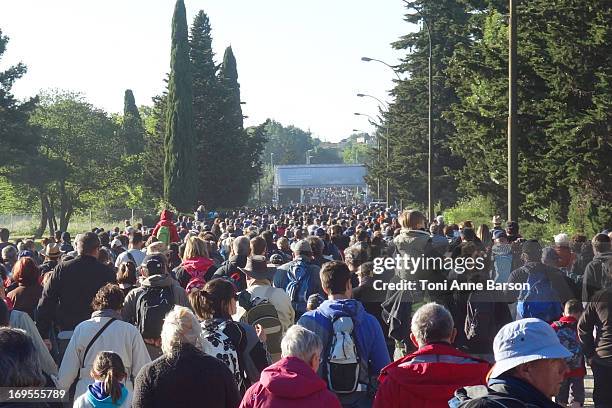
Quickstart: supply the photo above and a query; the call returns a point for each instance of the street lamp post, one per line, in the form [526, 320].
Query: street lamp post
[386, 106]
[512, 108]
[377, 147]
[429, 121]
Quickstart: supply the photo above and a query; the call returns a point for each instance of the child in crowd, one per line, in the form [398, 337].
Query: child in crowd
[572, 389]
[107, 391]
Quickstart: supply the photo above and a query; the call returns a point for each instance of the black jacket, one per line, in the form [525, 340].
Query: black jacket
[67, 295]
[598, 313]
[597, 275]
[189, 378]
[509, 391]
[230, 269]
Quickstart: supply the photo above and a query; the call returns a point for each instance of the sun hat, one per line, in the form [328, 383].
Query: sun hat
[256, 267]
[525, 340]
[51, 251]
[156, 247]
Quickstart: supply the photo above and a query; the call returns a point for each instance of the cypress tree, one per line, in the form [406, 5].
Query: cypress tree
[207, 101]
[228, 77]
[131, 128]
[246, 148]
[179, 163]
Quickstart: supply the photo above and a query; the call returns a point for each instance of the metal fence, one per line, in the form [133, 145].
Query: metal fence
[26, 224]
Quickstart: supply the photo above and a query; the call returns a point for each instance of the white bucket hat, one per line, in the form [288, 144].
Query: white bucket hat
[523, 341]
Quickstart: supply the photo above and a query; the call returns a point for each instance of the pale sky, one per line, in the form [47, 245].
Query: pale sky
[298, 61]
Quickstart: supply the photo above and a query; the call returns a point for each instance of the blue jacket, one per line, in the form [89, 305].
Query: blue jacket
[368, 333]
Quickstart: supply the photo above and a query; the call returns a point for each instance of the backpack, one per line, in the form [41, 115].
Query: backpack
[163, 234]
[569, 339]
[541, 300]
[152, 306]
[218, 344]
[297, 287]
[264, 313]
[503, 267]
[342, 363]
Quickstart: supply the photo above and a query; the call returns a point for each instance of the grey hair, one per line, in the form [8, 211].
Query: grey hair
[431, 323]
[301, 343]
[9, 252]
[241, 246]
[180, 327]
[19, 361]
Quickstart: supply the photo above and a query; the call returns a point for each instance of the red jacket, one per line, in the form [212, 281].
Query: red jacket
[197, 267]
[289, 382]
[428, 377]
[166, 220]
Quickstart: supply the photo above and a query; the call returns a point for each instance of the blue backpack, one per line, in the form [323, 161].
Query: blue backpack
[541, 300]
[297, 287]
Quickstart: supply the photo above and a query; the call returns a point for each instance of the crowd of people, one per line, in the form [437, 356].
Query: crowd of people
[282, 307]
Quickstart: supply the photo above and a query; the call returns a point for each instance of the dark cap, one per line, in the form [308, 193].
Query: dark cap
[155, 264]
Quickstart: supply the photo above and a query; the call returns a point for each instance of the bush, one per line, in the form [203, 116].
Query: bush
[479, 209]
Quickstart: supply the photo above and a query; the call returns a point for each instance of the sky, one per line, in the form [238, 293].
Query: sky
[299, 62]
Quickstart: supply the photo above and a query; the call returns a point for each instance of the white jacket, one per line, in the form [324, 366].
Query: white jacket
[21, 320]
[120, 337]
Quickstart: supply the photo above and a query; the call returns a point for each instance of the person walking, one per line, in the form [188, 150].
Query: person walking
[293, 380]
[104, 331]
[69, 291]
[184, 376]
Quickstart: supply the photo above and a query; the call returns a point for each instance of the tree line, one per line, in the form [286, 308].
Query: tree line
[564, 111]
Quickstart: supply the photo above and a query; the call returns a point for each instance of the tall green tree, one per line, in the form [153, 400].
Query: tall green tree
[243, 163]
[212, 149]
[180, 165]
[407, 116]
[564, 115]
[80, 146]
[132, 130]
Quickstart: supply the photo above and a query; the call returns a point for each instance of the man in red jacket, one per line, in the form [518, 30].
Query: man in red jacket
[165, 220]
[429, 377]
[293, 381]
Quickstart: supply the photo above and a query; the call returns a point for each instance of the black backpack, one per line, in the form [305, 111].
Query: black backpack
[151, 308]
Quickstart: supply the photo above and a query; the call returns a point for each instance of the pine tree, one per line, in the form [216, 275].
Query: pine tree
[563, 113]
[131, 128]
[179, 165]
[407, 116]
